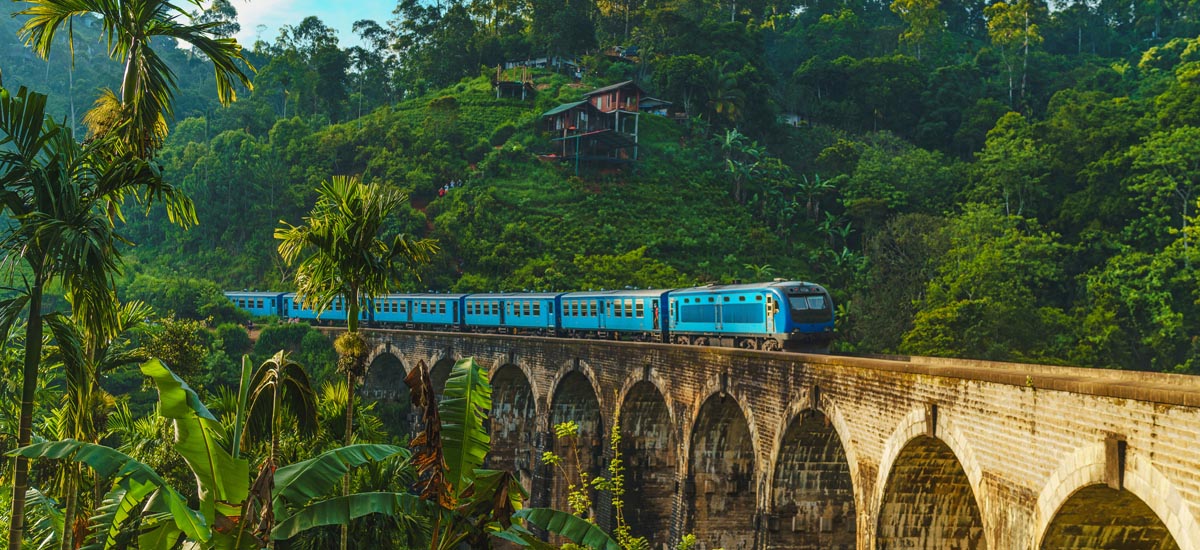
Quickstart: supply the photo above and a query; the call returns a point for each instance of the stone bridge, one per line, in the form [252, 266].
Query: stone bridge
[763, 450]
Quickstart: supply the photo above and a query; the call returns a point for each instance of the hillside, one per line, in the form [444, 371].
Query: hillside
[961, 193]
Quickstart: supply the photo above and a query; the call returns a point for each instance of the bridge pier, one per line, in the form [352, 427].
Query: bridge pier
[756, 450]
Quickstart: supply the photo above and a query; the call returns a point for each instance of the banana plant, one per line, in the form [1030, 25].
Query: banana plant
[140, 498]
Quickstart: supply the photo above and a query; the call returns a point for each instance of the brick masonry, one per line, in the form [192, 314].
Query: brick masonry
[756, 450]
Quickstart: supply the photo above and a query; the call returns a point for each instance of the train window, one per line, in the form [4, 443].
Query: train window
[640, 308]
[378, 306]
[616, 311]
[337, 305]
[758, 298]
[549, 308]
[628, 307]
[424, 306]
[710, 299]
[271, 302]
[741, 298]
[240, 302]
[725, 298]
[816, 302]
[403, 307]
[526, 308]
[441, 307]
[537, 308]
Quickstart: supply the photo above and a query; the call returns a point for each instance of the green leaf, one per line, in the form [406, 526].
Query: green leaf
[202, 442]
[299, 483]
[342, 510]
[133, 481]
[465, 405]
[577, 529]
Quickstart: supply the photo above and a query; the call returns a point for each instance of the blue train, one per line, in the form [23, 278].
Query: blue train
[781, 315]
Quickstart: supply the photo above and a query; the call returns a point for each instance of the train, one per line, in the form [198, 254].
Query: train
[774, 316]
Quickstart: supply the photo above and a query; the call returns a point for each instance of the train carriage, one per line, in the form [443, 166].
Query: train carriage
[639, 313]
[771, 316]
[435, 310]
[259, 304]
[513, 312]
[293, 308]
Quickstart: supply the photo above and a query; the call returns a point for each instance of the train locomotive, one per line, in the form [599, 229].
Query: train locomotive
[779, 315]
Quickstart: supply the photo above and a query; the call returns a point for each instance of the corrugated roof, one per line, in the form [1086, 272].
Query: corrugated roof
[611, 88]
[562, 108]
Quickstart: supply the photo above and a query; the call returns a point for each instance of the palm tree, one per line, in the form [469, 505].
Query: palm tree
[139, 114]
[63, 198]
[277, 381]
[85, 352]
[342, 255]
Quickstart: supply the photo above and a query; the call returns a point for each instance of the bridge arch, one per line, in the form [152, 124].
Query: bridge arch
[650, 450]
[814, 480]
[910, 458]
[513, 423]
[439, 371]
[723, 474]
[575, 397]
[1153, 507]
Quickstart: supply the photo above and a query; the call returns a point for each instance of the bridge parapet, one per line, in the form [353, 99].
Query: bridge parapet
[753, 449]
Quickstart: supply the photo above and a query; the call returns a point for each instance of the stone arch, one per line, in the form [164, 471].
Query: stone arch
[812, 496]
[384, 384]
[512, 424]
[650, 449]
[1075, 510]
[575, 399]
[720, 490]
[440, 372]
[575, 366]
[926, 495]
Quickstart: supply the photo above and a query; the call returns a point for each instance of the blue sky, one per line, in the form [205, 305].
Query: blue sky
[339, 14]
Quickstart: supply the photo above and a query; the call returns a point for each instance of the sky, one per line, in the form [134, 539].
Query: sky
[339, 14]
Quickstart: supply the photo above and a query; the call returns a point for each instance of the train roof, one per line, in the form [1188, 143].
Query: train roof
[518, 295]
[254, 293]
[654, 292]
[748, 286]
[425, 296]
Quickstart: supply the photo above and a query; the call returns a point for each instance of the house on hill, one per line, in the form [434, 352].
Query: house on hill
[515, 86]
[601, 128]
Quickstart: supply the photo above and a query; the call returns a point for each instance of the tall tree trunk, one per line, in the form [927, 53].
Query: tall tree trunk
[29, 371]
[71, 490]
[351, 368]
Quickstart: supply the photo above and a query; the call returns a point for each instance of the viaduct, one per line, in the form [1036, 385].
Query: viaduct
[752, 450]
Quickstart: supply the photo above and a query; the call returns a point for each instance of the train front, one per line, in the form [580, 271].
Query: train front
[806, 315]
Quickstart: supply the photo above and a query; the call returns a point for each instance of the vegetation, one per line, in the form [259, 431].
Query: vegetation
[1004, 180]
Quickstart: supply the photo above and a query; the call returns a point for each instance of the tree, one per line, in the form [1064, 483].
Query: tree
[278, 382]
[86, 352]
[1012, 165]
[1166, 179]
[139, 114]
[983, 299]
[1013, 28]
[62, 197]
[924, 21]
[342, 256]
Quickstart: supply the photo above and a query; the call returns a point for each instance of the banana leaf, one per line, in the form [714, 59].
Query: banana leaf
[465, 405]
[222, 479]
[342, 510]
[133, 481]
[572, 527]
[299, 483]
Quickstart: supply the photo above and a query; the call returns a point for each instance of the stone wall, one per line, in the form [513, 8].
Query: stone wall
[759, 449]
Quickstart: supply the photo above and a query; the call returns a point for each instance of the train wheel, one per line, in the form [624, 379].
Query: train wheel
[747, 343]
[700, 341]
[682, 340]
[771, 344]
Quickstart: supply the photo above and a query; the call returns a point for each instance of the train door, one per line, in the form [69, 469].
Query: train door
[454, 310]
[503, 306]
[772, 309]
[718, 313]
[600, 315]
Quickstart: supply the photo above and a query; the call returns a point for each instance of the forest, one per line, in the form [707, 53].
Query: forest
[1008, 181]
